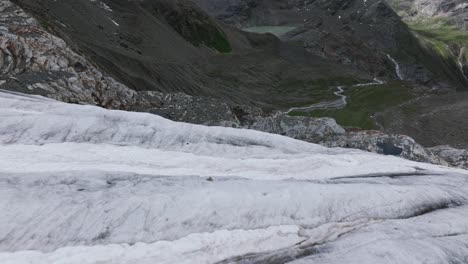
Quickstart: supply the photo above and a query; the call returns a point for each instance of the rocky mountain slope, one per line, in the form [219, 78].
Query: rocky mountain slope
[35, 61]
[358, 33]
[441, 26]
[169, 54]
[454, 10]
[369, 35]
[443, 23]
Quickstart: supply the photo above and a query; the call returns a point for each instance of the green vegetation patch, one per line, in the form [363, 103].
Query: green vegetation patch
[192, 24]
[312, 91]
[438, 45]
[210, 37]
[439, 29]
[363, 102]
[440, 33]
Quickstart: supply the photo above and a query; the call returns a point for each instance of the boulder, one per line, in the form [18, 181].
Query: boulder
[455, 157]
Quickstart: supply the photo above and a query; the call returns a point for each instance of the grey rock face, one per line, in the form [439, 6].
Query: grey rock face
[34, 61]
[378, 142]
[454, 10]
[436, 7]
[430, 8]
[455, 157]
[326, 132]
[302, 128]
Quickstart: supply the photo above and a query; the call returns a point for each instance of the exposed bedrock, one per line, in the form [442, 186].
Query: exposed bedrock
[34, 61]
[455, 157]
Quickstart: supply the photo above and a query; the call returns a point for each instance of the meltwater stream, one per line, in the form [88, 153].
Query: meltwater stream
[397, 67]
[334, 104]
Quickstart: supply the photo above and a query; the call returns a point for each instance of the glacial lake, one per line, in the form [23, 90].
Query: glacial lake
[275, 30]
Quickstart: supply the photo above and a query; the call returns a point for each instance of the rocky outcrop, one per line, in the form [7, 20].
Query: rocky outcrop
[443, 23]
[440, 7]
[303, 128]
[378, 142]
[326, 132]
[453, 10]
[34, 61]
[455, 157]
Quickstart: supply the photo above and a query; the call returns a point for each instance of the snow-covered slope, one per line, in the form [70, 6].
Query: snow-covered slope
[82, 184]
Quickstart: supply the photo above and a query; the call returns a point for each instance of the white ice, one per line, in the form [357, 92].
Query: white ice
[82, 184]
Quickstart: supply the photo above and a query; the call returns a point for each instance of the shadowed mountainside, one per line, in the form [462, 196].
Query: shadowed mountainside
[177, 48]
[351, 32]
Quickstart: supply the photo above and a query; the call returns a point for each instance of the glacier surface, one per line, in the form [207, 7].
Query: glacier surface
[82, 184]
